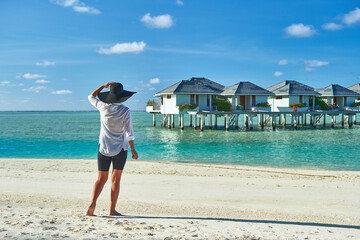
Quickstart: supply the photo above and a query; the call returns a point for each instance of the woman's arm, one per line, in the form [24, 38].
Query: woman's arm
[134, 153]
[106, 85]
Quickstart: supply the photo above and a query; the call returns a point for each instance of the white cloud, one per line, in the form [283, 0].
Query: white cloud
[34, 89]
[283, 62]
[161, 21]
[179, 2]
[20, 84]
[77, 6]
[300, 30]
[119, 48]
[42, 81]
[152, 88]
[278, 74]
[45, 63]
[64, 79]
[154, 81]
[65, 3]
[311, 64]
[352, 17]
[30, 76]
[61, 92]
[5, 82]
[86, 9]
[332, 26]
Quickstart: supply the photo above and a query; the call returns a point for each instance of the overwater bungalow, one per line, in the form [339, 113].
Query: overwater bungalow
[356, 88]
[196, 91]
[290, 92]
[246, 95]
[338, 96]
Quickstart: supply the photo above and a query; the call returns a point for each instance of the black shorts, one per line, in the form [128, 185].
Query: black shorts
[118, 161]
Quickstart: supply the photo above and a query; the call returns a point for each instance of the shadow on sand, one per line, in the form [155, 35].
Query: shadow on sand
[241, 220]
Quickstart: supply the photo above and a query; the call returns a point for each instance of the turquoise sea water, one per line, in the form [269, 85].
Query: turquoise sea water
[75, 135]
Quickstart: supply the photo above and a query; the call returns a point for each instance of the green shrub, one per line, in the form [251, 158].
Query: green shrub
[150, 103]
[222, 104]
[320, 102]
[355, 104]
[263, 104]
[300, 105]
[187, 106]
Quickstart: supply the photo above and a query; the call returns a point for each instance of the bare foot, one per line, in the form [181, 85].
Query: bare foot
[90, 211]
[115, 213]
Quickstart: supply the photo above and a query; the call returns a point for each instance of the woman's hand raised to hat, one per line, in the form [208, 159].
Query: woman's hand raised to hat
[108, 84]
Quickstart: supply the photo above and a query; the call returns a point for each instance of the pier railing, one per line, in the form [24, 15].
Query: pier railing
[198, 119]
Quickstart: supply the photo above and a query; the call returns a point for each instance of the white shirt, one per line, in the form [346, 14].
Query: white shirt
[116, 127]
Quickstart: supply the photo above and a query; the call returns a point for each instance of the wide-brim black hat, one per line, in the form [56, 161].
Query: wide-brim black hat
[117, 94]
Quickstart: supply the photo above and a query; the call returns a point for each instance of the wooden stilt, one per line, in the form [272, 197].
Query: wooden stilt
[182, 121]
[251, 123]
[295, 122]
[154, 119]
[262, 120]
[203, 122]
[274, 124]
[190, 119]
[334, 118]
[279, 119]
[272, 121]
[342, 120]
[169, 121]
[227, 123]
[246, 118]
[284, 120]
[179, 120]
[210, 121]
[311, 120]
[237, 121]
[292, 120]
[355, 119]
[215, 121]
[195, 121]
[324, 120]
[173, 120]
[302, 120]
[332, 121]
[305, 116]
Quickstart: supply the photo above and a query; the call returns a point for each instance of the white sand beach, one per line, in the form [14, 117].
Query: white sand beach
[48, 198]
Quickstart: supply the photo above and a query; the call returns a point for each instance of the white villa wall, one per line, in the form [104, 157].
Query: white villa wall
[276, 103]
[169, 105]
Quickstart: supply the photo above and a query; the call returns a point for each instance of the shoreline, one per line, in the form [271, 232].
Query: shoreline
[178, 200]
[285, 170]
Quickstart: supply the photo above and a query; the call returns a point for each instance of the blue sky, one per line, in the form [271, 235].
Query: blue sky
[54, 53]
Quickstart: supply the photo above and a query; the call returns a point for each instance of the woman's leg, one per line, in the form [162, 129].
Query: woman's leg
[115, 189]
[98, 186]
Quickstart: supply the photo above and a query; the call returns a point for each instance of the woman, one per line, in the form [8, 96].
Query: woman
[116, 136]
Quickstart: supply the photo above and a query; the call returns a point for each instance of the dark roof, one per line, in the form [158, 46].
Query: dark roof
[291, 87]
[336, 90]
[245, 88]
[193, 86]
[355, 88]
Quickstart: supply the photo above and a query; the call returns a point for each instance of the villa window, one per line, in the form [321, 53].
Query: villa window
[300, 99]
[208, 100]
[197, 100]
[278, 97]
[168, 96]
[253, 100]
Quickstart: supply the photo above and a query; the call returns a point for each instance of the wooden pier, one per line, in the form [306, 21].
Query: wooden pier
[197, 119]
